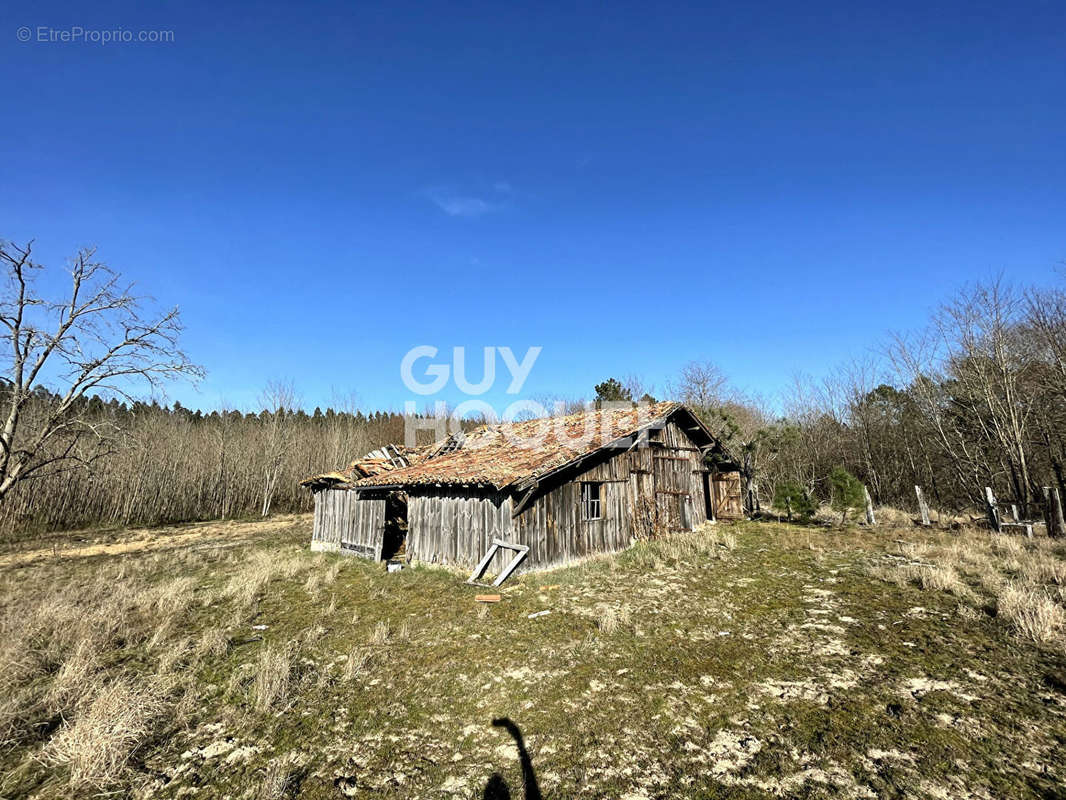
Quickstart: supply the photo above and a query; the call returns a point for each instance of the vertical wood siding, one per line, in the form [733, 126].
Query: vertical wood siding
[645, 491]
[347, 523]
[452, 526]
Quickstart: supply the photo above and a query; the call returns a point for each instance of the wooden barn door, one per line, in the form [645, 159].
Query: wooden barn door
[672, 499]
[728, 503]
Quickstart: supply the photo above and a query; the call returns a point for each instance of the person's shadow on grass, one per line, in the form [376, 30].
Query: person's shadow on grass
[496, 788]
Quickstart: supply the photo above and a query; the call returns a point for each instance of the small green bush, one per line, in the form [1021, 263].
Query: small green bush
[846, 492]
[793, 500]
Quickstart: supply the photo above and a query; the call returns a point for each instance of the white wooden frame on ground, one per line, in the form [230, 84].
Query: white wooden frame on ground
[521, 551]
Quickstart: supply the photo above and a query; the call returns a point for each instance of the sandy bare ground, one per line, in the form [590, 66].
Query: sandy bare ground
[201, 534]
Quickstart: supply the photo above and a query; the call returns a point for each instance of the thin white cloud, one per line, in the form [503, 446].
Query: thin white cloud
[460, 204]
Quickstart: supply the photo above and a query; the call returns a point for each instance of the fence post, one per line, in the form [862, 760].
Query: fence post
[993, 512]
[922, 507]
[1056, 526]
[870, 519]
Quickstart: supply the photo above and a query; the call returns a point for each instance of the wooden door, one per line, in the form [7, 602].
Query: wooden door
[671, 474]
[728, 503]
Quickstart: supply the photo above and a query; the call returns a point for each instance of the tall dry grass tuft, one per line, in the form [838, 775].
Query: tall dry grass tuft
[1033, 613]
[171, 597]
[941, 579]
[273, 671]
[331, 574]
[105, 733]
[608, 621]
[213, 642]
[358, 660]
[612, 618]
[175, 654]
[250, 581]
[278, 781]
[74, 676]
[313, 585]
[380, 635]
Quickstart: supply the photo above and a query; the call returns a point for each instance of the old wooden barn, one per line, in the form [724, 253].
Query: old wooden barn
[565, 488]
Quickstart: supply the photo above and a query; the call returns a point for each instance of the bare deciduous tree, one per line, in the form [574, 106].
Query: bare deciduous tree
[279, 403]
[700, 384]
[96, 340]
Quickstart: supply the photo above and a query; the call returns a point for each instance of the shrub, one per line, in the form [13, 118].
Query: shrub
[791, 499]
[846, 492]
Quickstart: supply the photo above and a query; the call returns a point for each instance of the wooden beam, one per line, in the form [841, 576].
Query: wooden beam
[923, 508]
[483, 565]
[521, 554]
[870, 518]
[526, 499]
[993, 511]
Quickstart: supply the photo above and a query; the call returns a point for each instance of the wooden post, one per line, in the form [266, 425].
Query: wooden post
[870, 518]
[993, 512]
[1056, 526]
[788, 508]
[1014, 512]
[923, 509]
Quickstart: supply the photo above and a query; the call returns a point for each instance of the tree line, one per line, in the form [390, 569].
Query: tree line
[976, 398]
[170, 464]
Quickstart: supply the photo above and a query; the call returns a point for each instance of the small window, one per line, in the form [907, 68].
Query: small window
[590, 501]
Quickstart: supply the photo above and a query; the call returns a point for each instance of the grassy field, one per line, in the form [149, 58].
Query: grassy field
[740, 661]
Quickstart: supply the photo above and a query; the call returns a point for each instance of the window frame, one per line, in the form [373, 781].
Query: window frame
[588, 503]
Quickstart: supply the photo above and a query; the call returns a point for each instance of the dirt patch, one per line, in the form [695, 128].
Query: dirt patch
[149, 539]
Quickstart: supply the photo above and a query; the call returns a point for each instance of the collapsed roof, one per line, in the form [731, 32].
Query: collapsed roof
[515, 454]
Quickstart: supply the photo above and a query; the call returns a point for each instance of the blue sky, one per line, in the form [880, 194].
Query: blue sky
[320, 187]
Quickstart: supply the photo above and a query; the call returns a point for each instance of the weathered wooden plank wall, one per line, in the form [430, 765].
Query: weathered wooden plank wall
[644, 491]
[450, 526]
[659, 487]
[347, 523]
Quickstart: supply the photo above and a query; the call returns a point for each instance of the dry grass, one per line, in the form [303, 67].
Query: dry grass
[99, 657]
[941, 579]
[277, 782]
[75, 674]
[97, 745]
[248, 583]
[1021, 579]
[612, 618]
[213, 642]
[608, 621]
[313, 585]
[273, 673]
[356, 664]
[656, 648]
[708, 540]
[381, 633]
[1033, 613]
[171, 597]
[331, 572]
